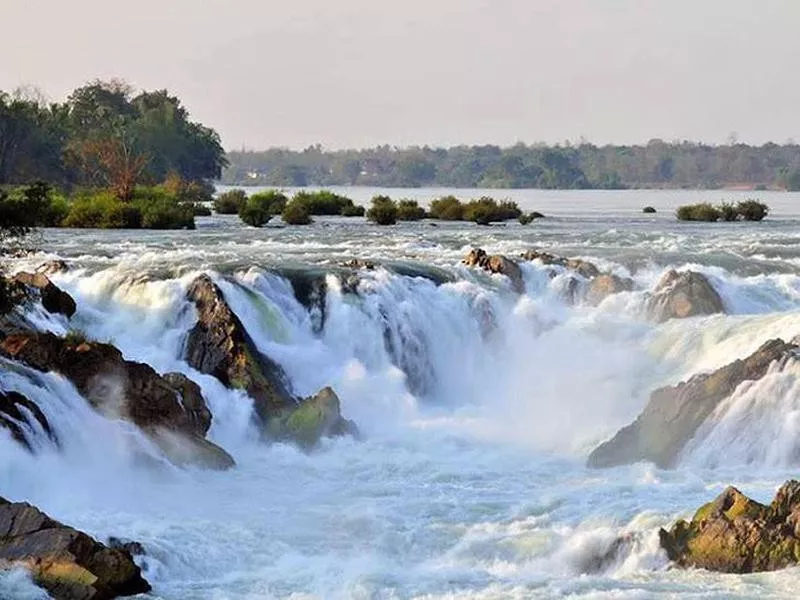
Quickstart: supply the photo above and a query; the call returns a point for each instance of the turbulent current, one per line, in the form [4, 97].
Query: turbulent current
[477, 405]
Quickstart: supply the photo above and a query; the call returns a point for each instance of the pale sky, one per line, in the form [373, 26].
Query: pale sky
[355, 73]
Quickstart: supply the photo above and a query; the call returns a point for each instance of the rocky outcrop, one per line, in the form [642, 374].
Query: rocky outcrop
[582, 267]
[605, 285]
[496, 263]
[219, 345]
[170, 407]
[313, 418]
[16, 411]
[734, 534]
[69, 564]
[54, 299]
[674, 414]
[51, 267]
[680, 295]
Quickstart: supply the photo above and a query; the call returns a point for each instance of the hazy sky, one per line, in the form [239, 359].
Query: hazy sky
[351, 73]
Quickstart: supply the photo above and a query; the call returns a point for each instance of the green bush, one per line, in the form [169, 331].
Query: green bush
[35, 205]
[383, 211]
[448, 208]
[752, 210]
[698, 212]
[727, 212]
[296, 213]
[485, 210]
[161, 210]
[230, 202]
[102, 210]
[409, 210]
[272, 201]
[323, 202]
[353, 211]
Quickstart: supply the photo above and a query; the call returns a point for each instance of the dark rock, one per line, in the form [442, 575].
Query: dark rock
[220, 346]
[120, 388]
[129, 546]
[51, 267]
[674, 414]
[582, 267]
[69, 564]
[360, 263]
[496, 264]
[681, 295]
[734, 534]
[12, 416]
[649, 210]
[605, 285]
[310, 287]
[54, 299]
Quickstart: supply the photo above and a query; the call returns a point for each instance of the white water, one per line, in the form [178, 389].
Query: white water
[470, 481]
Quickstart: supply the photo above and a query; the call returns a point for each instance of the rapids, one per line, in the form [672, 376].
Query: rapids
[477, 406]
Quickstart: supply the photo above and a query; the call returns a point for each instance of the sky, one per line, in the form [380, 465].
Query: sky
[359, 73]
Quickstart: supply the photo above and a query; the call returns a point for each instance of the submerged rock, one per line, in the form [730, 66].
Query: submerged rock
[69, 564]
[54, 299]
[496, 263]
[734, 534]
[124, 389]
[13, 416]
[605, 285]
[685, 294]
[674, 414]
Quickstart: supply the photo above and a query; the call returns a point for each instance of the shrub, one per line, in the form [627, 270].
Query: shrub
[383, 211]
[272, 201]
[409, 210]
[230, 202]
[649, 210]
[752, 210]
[35, 205]
[448, 208]
[353, 211]
[698, 212]
[188, 191]
[727, 212]
[161, 210]
[296, 213]
[485, 210]
[323, 202]
[102, 210]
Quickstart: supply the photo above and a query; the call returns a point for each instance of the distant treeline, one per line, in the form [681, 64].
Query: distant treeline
[657, 164]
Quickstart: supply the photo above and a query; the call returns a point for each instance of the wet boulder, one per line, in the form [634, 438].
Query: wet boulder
[17, 413]
[120, 388]
[496, 263]
[51, 267]
[674, 414]
[311, 420]
[605, 285]
[66, 562]
[734, 534]
[584, 268]
[219, 345]
[679, 295]
[54, 299]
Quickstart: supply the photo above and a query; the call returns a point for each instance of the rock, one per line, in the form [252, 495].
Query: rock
[582, 267]
[360, 263]
[12, 417]
[220, 346]
[680, 295]
[496, 264]
[314, 418]
[131, 547]
[51, 267]
[605, 285]
[649, 210]
[121, 388]
[544, 257]
[674, 414]
[734, 534]
[69, 564]
[54, 299]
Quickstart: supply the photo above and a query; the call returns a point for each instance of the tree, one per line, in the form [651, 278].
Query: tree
[111, 161]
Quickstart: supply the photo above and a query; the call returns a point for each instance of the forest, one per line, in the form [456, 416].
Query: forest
[657, 164]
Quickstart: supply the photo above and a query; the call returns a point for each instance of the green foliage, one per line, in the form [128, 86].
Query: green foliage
[727, 211]
[486, 210]
[752, 210]
[698, 212]
[296, 213]
[409, 210]
[150, 208]
[159, 210]
[260, 208]
[448, 208]
[323, 202]
[354, 211]
[230, 202]
[76, 337]
[383, 211]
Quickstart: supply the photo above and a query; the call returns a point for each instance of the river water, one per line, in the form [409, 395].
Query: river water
[478, 406]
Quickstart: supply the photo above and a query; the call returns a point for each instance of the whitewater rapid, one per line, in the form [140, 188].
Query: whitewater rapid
[477, 405]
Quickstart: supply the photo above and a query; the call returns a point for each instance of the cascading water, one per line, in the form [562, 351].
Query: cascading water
[477, 408]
